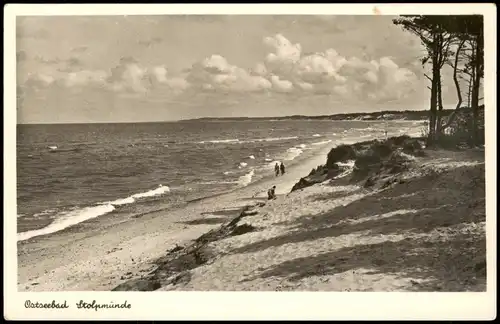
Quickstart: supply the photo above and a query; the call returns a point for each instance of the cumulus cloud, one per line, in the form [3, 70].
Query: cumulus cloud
[284, 50]
[85, 78]
[329, 72]
[281, 85]
[159, 78]
[305, 86]
[160, 73]
[216, 73]
[177, 83]
[259, 69]
[285, 69]
[128, 76]
[377, 80]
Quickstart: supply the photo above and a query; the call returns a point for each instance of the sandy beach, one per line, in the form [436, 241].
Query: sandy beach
[424, 232]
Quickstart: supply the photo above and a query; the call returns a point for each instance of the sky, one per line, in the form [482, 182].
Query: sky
[80, 69]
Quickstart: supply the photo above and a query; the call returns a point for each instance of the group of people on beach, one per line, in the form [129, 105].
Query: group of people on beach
[279, 168]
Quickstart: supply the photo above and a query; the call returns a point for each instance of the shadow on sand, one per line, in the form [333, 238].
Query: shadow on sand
[440, 205]
[206, 221]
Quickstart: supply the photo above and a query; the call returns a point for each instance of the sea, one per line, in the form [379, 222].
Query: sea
[68, 174]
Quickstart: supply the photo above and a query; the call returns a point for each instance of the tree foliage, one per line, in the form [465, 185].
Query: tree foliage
[459, 42]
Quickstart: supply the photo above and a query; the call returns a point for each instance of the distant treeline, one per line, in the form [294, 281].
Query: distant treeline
[379, 115]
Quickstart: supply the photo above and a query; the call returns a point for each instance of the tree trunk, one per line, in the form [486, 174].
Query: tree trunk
[439, 112]
[478, 61]
[434, 92]
[433, 109]
[457, 87]
[475, 109]
[441, 56]
[469, 92]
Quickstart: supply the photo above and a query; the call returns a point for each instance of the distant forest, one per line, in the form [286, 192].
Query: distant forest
[379, 115]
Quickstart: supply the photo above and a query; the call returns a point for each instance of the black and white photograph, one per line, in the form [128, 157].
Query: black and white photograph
[288, 152]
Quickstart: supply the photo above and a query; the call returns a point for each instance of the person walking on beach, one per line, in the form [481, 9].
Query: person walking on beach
[271, 194]
[282, 168]
[277, 169]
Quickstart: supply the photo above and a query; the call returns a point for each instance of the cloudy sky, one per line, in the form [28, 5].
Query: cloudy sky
[156, 68]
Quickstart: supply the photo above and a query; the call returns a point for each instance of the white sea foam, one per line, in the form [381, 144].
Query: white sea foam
[68, 219]
[272, 139]
[53, 147]
[43, 213]
[251, 157]
[246, 179]
[316, 135]
[124, 201]
[217, 182]
[292, 153]
[156, 192]
[322, 143]
[233, 140]
[130, 200]
[268, 159]
[76, 216]
[237, 141]
[302, 146]
[242, 165]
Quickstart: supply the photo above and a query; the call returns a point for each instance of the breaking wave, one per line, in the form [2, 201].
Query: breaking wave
[246, 179]
[76, 216]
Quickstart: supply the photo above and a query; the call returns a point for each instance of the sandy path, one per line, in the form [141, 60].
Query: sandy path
[101, 260]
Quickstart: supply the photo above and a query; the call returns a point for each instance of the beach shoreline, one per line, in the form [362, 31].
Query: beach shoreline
[45, 261]
[127, 254]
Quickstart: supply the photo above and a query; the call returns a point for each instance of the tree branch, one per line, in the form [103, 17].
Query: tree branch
[444, 52]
